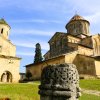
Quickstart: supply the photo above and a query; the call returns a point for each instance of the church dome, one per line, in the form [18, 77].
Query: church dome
[77, 17]
[78, 25]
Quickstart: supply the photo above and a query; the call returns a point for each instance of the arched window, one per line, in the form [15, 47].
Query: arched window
[2, 30]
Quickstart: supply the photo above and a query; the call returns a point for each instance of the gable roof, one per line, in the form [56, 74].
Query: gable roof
[55, 35]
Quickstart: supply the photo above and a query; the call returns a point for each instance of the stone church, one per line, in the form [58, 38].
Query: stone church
[76, 46]
[9, 63]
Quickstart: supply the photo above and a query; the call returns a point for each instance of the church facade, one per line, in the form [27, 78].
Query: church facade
[75, 46]
[9, 63]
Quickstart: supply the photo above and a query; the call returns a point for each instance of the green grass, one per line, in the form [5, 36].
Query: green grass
[29, 91]
[93, 84]
[19, 91]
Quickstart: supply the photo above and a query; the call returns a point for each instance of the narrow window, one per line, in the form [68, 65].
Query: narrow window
[7, 33]
[2, 30]
[0, 48]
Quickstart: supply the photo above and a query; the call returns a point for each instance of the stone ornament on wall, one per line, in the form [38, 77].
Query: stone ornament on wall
[59, 82]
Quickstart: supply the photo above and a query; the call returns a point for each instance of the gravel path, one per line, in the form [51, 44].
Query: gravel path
[94, 92]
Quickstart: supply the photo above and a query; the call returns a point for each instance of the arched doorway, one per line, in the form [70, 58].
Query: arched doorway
[6, 77]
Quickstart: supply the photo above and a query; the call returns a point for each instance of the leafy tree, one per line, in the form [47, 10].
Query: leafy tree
[38, 55]
[28, 75]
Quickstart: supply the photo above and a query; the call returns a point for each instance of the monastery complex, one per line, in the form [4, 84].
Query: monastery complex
[76, 46]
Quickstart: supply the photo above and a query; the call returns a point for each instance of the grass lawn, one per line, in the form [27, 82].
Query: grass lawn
[93, 84]
[89, 97]
[24, 91]
[19, 91]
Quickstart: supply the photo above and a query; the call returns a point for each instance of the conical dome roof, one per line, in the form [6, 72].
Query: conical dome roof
[77, 17]
[2, 21]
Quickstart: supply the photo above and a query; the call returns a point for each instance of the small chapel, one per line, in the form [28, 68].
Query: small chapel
[76, 46]
[9, 62]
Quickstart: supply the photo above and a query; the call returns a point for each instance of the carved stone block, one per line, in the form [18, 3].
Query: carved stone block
[59, 82]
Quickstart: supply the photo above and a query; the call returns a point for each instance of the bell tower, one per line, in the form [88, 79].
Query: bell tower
[78, 25]
[4, 28]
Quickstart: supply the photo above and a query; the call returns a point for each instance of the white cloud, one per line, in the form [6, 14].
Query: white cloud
[25, 53]
[35, 20]
[24, 44]
[30, 44]
[32, 32]
[94, 18]
[38, 5]
[89, 6]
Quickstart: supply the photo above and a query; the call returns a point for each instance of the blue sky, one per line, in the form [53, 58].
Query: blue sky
[35, 21]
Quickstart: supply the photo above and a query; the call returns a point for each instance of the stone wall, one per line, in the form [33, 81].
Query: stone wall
[4, 30]
[10, 65]
[6, 47]
[58, 47]
[69, 57]
[96, 44]
[87, 42]
[73, 39]
[85, 50]
[78, 27]
[85, 65]
[36, 69]
[97, 68]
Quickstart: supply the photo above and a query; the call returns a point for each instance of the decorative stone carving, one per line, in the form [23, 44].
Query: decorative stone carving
[59, 82]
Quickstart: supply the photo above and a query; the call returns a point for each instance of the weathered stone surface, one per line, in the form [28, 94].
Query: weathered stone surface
[59, 82]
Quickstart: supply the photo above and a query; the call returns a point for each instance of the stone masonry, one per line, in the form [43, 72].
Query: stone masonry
[59, 82]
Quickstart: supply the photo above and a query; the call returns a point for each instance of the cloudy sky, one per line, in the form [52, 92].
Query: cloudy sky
[35, 21]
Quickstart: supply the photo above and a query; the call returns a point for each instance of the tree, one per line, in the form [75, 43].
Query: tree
[28, 75]
[38, 55]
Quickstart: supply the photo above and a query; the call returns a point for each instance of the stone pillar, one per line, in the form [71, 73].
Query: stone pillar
[59, 82]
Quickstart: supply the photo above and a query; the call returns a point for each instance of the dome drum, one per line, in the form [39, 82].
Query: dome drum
[78, 25]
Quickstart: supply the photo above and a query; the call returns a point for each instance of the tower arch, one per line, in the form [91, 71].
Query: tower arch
[6, 76]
